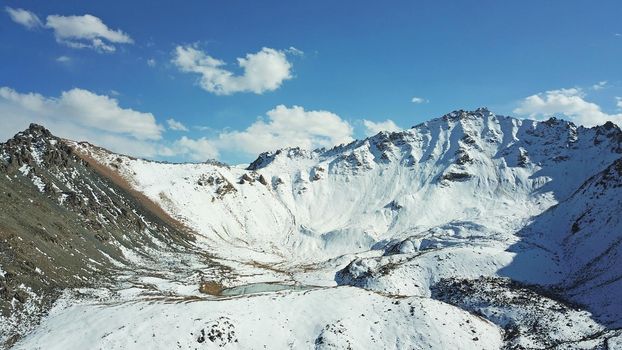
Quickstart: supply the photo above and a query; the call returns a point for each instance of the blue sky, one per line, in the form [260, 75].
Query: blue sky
[319, 72]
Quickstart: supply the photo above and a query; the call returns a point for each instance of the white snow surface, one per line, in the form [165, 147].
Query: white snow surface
[358, 319]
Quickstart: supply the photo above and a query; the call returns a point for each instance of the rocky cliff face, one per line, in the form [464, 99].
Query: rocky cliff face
[66, 224]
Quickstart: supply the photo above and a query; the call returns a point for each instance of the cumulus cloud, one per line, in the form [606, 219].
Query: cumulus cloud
[569, 102]
[24, 17]
[288, 127]
[418, 100]
[82, 115]
[151, 62]
[198, 150]
[600, 85]
[372, 128]
[262, 71]
[86, 31]
[176, 125]
[284, 127]
[619, 102]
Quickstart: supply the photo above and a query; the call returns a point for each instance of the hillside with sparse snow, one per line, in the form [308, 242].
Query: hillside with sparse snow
[471, 230]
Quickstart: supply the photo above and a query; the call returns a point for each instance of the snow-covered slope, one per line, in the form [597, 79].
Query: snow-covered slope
[584, 233]
[471, 209]
[345, 318]
[312, 205]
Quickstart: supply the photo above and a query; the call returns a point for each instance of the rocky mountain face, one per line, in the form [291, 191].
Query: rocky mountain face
[508, 226]
[65, 223]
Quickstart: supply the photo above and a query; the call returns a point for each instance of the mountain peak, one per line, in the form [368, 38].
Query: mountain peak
[266, 158]
[465, 114]
[35, 145]
[31, 134]
[38, 129]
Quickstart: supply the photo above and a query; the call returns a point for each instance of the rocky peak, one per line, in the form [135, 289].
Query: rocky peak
[34, 146]
[37, 130]
[610, 125]
[266, 158]
[32, 134]
[609, 131]
[462, 114]
[262, 160]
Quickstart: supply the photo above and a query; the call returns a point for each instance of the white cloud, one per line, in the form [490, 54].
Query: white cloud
[24, 17]
[199, 150]
[151, 62]
[372, 128]
[285, 127]
[202, 128]
[619, 102]
[569, 102]
[262, 71]
[418, 100]
[86, 31]
[600, 85]
[176, 125]
[288, 127]
[82, 115]
[294, 51]
[63, 59]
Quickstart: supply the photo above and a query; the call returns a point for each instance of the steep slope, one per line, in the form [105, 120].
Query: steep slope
[63, 224]
[584, 233]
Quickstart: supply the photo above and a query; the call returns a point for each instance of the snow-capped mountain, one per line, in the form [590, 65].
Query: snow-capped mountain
[472, 230]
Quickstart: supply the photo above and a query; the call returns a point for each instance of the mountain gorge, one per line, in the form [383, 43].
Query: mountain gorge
[472, 230]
